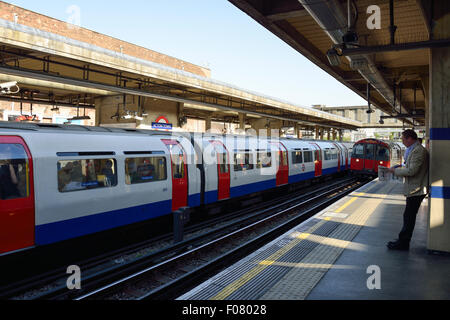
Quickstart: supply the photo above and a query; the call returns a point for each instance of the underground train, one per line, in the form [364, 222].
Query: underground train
[63, 182]
[368, 154]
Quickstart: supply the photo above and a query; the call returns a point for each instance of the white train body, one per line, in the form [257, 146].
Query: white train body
[127, 177]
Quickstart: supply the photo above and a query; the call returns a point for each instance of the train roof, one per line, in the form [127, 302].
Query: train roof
[391, 144]
[63, 128]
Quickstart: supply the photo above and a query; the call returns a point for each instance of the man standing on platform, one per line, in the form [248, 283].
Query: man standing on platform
[416, 184]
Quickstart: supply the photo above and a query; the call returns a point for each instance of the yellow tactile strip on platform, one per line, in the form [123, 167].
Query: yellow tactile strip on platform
[291, 266]
[298, 283]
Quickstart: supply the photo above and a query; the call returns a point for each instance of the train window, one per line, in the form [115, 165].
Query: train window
[243, 161]
[14, 172]
[223, 163]
[328, 154]
[297, 157]
[264, 160]
[308, 157]
[77, 175]
[358, 151]
[370, 151]
[142, 170]
[383, 154]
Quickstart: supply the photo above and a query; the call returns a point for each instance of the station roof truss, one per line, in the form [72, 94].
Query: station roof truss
[52, 69]
[396, 64]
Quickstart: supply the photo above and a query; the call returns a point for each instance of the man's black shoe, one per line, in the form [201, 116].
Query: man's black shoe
[398, 245]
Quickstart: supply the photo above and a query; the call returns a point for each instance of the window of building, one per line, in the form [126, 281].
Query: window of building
[146, 169]
[14, 172]
[77, 175]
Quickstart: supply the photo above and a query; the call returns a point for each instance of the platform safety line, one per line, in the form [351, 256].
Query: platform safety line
[355, 197]
[248, 276]
[234, 286]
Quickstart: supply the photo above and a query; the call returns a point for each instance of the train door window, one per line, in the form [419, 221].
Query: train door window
[222, 157]
[223, 162]
[143, 170]
[264, 160]
[358, 151]
[370, 151]
[383, 154]
[285, 158]
[77, 175]
[14, 172]
[317, 155]
[178, 163]
[308, 157]
[297, 157]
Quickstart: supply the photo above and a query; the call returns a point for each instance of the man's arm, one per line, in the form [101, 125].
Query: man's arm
[417, 158]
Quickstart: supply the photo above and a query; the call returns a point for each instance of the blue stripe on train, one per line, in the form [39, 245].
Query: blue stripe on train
[211, 196]
[68, 229]
[301, 177]
[194, 200]
[252, 187]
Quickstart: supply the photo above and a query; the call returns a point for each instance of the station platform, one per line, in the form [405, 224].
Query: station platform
[340, 254]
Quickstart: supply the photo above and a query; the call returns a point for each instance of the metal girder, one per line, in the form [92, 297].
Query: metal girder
[137, 92]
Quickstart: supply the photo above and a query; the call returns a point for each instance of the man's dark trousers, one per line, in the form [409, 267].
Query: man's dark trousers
[409, 218]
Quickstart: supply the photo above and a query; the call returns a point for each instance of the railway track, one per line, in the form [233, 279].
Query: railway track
[105, 282]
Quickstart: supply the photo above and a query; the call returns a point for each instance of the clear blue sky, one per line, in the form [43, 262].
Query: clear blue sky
[210, 33]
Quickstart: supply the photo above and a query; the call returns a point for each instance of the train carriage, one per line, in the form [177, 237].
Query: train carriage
[369, 154]
[72, 181]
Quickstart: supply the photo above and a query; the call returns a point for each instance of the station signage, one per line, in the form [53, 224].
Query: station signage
[162, 123]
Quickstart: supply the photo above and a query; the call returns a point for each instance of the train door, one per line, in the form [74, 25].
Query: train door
[179, 174]
[317, 160]
[17, 220]
[339, 153]
[369, 156]
[223, 170]
[283, 165]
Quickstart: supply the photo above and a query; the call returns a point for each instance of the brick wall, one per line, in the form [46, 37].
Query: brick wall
[39, 21]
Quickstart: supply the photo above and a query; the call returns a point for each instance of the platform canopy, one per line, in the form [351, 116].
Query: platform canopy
[359, 42]
[56, 63]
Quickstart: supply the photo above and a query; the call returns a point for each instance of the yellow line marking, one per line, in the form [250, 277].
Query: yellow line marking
[355, 197]
[228, 290]
[235, 285]
[310, 265]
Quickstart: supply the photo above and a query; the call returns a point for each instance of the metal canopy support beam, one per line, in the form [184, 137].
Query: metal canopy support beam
[397, 47]
[136, 92]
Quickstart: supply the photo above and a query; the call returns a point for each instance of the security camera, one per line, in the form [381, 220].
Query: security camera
[8, 86]
[333, 57]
